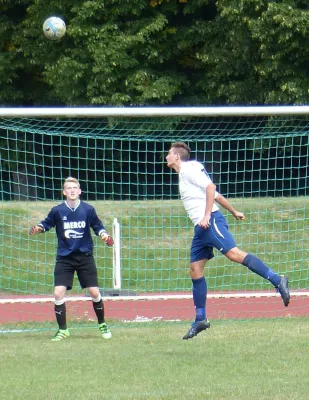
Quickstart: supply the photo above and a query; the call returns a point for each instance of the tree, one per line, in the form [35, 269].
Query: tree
[174, 52]
[282, 36]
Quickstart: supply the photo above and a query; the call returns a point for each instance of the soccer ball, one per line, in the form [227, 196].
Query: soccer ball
[54, 28]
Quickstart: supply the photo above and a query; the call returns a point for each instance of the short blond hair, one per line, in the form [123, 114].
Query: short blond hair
[70, 179]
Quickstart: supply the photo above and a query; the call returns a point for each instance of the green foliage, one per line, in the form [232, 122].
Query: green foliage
[137, 52]
[282, 33]
[10, 65]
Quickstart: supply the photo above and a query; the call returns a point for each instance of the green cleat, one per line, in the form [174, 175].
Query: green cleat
[61, 335]
[106, 333]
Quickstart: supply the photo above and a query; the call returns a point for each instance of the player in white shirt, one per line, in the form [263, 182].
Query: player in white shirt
[198, 194]
[193, 179]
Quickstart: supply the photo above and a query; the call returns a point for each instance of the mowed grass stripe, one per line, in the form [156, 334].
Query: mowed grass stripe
[264, 359]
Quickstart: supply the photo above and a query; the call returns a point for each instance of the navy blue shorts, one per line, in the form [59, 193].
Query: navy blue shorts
[216, 236]
[82, 263]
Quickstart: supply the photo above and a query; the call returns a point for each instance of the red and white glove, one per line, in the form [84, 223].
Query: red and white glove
[35, 229]
[107, 239]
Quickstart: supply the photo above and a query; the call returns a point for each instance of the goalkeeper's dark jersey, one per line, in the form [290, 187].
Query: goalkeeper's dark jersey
[73, 227]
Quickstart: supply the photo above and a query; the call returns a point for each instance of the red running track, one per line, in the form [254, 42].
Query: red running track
[163, 309]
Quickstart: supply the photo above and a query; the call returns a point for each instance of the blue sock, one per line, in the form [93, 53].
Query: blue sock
[199, 298]
[258, 267]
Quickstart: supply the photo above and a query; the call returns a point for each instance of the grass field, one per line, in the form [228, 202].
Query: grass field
[234, 360]
[256, 360]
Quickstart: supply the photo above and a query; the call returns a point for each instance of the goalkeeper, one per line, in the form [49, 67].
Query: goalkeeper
[198, 193]
[73, 219]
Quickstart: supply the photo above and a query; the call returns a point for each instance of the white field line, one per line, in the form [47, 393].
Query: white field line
[155, 297]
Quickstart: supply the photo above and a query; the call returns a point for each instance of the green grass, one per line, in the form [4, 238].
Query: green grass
[256, 360]
[156, 238]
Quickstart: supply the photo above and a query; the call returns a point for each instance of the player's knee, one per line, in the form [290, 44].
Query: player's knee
[236, 255]
[94, 292]
[59, 294]
[196, 270]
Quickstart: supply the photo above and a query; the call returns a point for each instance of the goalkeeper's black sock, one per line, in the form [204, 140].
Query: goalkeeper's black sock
[98, 307]
[61, 315]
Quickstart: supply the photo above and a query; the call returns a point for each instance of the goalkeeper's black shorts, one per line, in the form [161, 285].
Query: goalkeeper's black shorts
[82, 263]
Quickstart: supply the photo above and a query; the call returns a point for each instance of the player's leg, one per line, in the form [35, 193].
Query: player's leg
[199, 256]
[97, 303]
[223, 240]
[199, 289]
[60, 313]
[88, 278]
[63, 280]
[98, 307]
[281, 283]
[254, 264]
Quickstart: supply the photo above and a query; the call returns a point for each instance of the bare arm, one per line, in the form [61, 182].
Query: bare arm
[225, 204]
[210, 196]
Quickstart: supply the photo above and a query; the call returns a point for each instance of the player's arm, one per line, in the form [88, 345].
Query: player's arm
[99, 229]
[199, 177]
[45, 225]
[210, 198]
[225, 204]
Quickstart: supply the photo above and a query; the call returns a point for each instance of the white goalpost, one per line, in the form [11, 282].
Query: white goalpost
[100, 112]
[116, 256]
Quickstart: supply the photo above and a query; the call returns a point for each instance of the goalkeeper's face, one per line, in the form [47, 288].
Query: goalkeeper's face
[71, 191]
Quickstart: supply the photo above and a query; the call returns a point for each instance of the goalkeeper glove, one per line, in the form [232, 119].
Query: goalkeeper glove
[107, 239]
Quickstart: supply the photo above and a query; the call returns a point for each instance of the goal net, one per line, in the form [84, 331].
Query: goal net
[257, 157]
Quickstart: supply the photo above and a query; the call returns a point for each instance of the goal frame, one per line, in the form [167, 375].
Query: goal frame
[149, 112]
[96, 112]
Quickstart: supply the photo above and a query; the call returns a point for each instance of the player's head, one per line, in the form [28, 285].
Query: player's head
[178, 152]
[182, 149]
[71, 188]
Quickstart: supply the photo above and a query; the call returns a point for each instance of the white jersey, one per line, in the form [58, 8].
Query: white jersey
[193, 180]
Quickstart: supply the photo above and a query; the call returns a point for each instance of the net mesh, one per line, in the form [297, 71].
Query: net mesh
[164, 129]
[259, 163]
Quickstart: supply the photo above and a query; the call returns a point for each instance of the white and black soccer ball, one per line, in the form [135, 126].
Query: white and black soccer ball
[54, 28]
